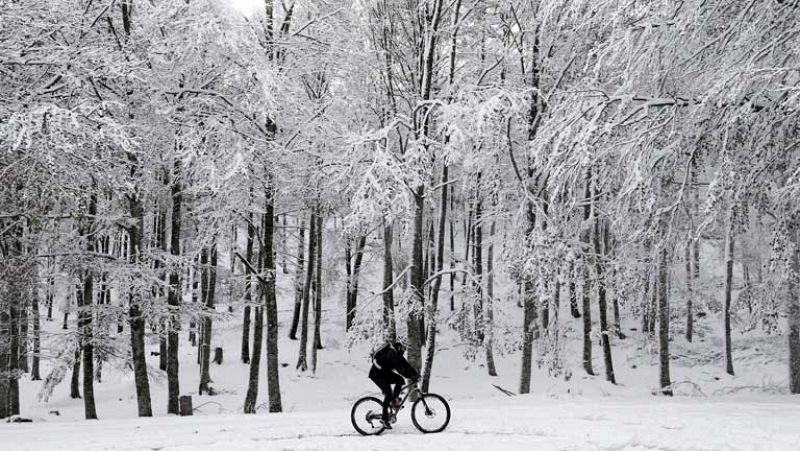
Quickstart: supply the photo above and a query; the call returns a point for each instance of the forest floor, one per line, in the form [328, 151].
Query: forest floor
[568, 411]
[529, 423]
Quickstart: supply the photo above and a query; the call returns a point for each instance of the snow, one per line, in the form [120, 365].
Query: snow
[712, 410]
[530, 422]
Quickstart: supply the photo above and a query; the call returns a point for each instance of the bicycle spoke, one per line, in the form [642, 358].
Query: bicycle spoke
[366, 416]
[430, 413]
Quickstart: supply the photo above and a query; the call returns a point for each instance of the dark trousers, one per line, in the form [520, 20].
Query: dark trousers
[384, 381]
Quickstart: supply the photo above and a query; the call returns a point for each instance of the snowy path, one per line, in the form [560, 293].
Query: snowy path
[520, 423]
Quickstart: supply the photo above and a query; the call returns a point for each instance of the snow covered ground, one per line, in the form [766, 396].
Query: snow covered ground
[531, 423]
[574, 411]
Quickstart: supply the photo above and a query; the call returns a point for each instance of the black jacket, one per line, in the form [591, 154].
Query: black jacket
[387, 359]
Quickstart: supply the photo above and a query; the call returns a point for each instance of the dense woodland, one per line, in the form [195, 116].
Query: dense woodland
[162, 157]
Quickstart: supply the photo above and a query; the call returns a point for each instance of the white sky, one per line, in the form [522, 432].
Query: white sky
[246, 7]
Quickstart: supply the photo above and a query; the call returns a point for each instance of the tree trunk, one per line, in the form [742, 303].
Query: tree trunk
[24, 318]
[195, 278]
[529, 311]
[50, 296]
[348, 259]
[251, 398]
[587, 319]
[85, 315]
[601, 301]
[160, 231]
[209, 263]
[468, 228]
[318, 295]
[645, 307]
[284, 247]
[352, 279]
[477, 259]
[417, 281]
[489, 342]
[609, 281]
[137, 322]
[37, 333]
[528, 329]
[13, 367]
[299, 275]
[302, 363]
[389, 324]
[432, 310]
[663, 323]
[317, 299]
[586, 286]
[452, 261]
[792, 293]
[273, 381]
[75, 382]
[248, 290]
[174, 295]
[571, 288]
[689, 292]
[729, 243]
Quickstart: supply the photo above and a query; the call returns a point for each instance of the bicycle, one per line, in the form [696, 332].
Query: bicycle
[430, 413]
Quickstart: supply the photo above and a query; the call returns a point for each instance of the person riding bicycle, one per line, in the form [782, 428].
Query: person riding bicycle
[388, 365]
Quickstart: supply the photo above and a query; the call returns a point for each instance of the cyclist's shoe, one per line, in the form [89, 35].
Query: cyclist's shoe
[396, 402]
[386, 424]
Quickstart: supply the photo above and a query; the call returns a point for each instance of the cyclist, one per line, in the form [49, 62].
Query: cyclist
[388, 365]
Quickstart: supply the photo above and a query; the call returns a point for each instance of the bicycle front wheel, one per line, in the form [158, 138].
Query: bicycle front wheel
[430, 413]
[366, 416]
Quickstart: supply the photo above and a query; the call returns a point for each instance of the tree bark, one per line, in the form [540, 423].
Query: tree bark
[352, 279]
[389, 324]
[24, 318]
[729, 243]
[663, 323]
[248, 290]
[135, 318]
[529, 311]
[268, 255]
[601, 302]
[689, 292]
[452, 261]
[299, 275]
[160, 230]
[209, 267]
[586, 286]
[489, 341]
[318, 295]
[174, 295]
[302, 363]
[85, 315]
[317, 345]
[251, 398]
[572, 289]
[195, 281]
[36, 324]
[432, 310]
[417, 280]
[792, 293]
[477, 262]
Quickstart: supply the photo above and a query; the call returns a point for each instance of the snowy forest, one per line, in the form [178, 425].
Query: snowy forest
[235, 200]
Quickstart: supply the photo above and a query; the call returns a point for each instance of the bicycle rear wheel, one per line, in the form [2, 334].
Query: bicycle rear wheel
[430, 413]
[366, 416]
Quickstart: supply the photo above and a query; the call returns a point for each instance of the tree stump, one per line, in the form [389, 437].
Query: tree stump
[185, 406]
[218, 356]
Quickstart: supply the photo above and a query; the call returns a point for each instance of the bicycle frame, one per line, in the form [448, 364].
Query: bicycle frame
[414, 387]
